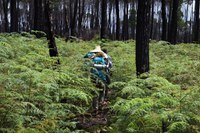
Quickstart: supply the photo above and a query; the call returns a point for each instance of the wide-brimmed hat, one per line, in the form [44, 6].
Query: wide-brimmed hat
[97, 50]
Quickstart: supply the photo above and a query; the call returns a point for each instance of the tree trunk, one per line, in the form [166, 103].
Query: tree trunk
[164, 21]
[186, 24]
[196, 22]
[14, 16]
[117, 20]
[109, 19]
[53, 52]
[142, 37]
[73, 21]
[5, 10]
[170, 17]
[125, 22]
[152, 19]
[133, 19]
[97, 15]
[103, 19]
[81, 11]
[173, 25]
[92, 17]
[66, 23]
[39, 19]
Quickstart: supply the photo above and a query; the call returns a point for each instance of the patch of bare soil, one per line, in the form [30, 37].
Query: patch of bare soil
[95, 121]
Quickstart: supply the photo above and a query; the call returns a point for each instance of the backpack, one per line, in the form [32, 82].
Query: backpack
[99, 63]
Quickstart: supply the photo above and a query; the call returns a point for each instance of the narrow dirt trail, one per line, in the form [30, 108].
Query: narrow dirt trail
[96, 121]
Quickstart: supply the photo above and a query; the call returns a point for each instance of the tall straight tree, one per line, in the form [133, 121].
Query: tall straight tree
[186, 35]
[53, 52]
[14, 15]
[132, 19]
[117, 20]
[109, 29]
[38, 15]
[103, 19]
[5, 10]
[142, 37]
[164, 20]
[81, 13]
[92, 16]
[169, 17]
[174, 23]
[152, 19]
[125, 22]
[73, 18]
[66, 22]
[196, 22]
[97, 14]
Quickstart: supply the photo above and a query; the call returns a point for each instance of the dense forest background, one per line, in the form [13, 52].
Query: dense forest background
[83, 18]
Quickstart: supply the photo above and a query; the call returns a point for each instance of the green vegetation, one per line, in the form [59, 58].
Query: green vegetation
[37, 95]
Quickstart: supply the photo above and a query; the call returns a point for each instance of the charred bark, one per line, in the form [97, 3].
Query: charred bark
[142, 37]
[174, 23]
[196, 22]
[14, 16]
[117, 20]
[164, 21]
[103, 19]
[53, 52]
[5, 10]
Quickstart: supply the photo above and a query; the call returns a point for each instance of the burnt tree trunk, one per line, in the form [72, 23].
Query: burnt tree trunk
[170, 17]
[186, 24]
[133, 20]
[14, 16]
[142, 37]
[97, 15]
[174, 23]
[164, 21]
[125, 22]
[66, 23]
[81, 13]
[39, 23]
[53, 52]
[5, 10]
[92, 17]
[152, 19]
[109, 20]
[103, 19]
[196, 22]
[73, 21]
[117, 20]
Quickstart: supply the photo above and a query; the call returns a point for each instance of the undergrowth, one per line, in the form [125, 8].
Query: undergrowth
[167, 100]
[37, 95]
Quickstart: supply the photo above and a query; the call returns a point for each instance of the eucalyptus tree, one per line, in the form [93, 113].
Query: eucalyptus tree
[97, 14]
[125, 33]
[174, 23]
[196, 22]
[164, 20]
[73, 16]
[14, 15]
[5, 10]
[142, 37]
[39, 20]
[81, 14]
[152, 18]
[117, 20]
[103, 19]
[50, 33]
